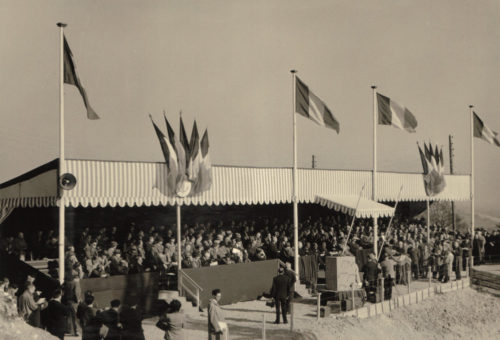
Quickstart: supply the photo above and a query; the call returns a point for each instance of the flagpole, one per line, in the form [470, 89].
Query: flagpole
[294, 185]
[428, 220]
[179, 254]
[61, 152]
[472, 181]
[374, 177]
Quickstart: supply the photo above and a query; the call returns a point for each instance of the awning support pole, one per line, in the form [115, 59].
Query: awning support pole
[390, 223]
[179, 256]
[61, 153]
[352, 222]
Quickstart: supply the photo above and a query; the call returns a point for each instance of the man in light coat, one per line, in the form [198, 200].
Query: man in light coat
[216, 322]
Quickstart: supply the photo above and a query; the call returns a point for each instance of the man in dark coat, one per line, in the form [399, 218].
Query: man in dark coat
[131, 320]
[56, 315]
[370, 274]
[111, 321]
[280, 291]
[292, 278]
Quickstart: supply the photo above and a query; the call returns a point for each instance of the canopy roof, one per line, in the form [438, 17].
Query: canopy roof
[114, 183]
[347, 205]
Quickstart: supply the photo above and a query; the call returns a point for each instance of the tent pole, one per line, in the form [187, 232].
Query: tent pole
[61, 152]
[352, 221]
[179, 259]
[294, 185]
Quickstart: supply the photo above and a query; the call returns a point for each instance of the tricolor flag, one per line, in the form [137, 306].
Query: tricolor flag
[391, 113]
[205, 176]
[484, 132]
[194, 161]
[179, 150]
[71, 77]
[185, 143]
[433, 166]
[309, 105]
[170, 158]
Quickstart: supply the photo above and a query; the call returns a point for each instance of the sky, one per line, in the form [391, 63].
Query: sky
[227, 64]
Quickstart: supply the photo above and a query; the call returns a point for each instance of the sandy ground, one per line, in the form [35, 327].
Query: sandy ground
[462, 314]
[465, 314]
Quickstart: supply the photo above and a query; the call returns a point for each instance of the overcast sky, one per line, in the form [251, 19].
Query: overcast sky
[227, 63]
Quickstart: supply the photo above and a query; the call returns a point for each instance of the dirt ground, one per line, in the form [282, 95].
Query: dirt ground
[466, 314]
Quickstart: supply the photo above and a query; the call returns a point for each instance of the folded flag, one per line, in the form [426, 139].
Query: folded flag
[484, 132]
[184, 142]
[194, 162]
[391, 113]
[179, 149]
[71, 77]
[433, 166]
[309, 105]
[170, 158]
[205, 176]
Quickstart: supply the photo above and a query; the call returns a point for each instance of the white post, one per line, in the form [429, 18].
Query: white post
[61, 152]
[472, 181]
[295, 185]
[179, 255]
[428, 220]
[374, 176]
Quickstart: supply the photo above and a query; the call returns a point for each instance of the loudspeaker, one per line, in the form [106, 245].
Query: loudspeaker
[67, 181]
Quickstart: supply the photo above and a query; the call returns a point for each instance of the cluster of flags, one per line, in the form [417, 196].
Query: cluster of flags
[189, 169]
[433, 166]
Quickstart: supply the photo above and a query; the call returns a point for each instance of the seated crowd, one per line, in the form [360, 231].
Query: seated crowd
[101, 252]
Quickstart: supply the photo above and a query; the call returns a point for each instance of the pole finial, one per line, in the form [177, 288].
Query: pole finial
[293, 71]
[374, 87]
[61, 24]
[471, 106]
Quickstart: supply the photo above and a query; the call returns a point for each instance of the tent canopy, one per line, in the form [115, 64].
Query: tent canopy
[347, 205]
[136, 184]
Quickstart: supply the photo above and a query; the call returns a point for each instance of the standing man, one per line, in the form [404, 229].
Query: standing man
[280, 291]
[291, 277]
[56, 315]
[216, 322]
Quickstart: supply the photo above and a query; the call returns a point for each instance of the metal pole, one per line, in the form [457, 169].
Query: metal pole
[374, 177]
[179, 255]
[428, 220]
[62, 169]
[295, 185]
[472, 182]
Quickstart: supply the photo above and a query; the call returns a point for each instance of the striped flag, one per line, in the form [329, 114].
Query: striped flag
[391, 113]
[184, 142]
[170, 158]
[194, 161]
[71, 77]
[484, 132]
[310, 106]
[179, 149]
[205, 175]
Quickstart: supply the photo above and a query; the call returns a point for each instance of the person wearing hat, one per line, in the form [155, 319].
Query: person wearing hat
[280, 291]
[118, 265]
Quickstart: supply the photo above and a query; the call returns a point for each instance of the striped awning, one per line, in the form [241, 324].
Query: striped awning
[113, 183]
[349, 205]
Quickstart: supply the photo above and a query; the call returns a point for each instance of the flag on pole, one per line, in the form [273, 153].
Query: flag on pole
[484, 132]
[391, 113]
[71, 77]
[433, 166]
[179, 150]
[170, 159]
[205, 176]
[310, 106]
[185, 143]
[194, 162]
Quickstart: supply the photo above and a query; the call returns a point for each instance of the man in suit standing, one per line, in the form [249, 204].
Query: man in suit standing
[292, 278]
[56, 315]
[280, 291]
[110, 319]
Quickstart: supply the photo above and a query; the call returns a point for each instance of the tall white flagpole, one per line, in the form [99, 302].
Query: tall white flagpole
[374, 177]
[61, 153]
[472, 181]
[295, 185]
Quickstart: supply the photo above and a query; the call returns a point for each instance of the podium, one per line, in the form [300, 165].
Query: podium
[341, 272]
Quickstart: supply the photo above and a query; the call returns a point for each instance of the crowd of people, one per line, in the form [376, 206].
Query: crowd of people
[59, 315]
[101, 252]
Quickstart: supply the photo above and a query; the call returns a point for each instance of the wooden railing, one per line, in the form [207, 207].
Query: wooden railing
[184, 281]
